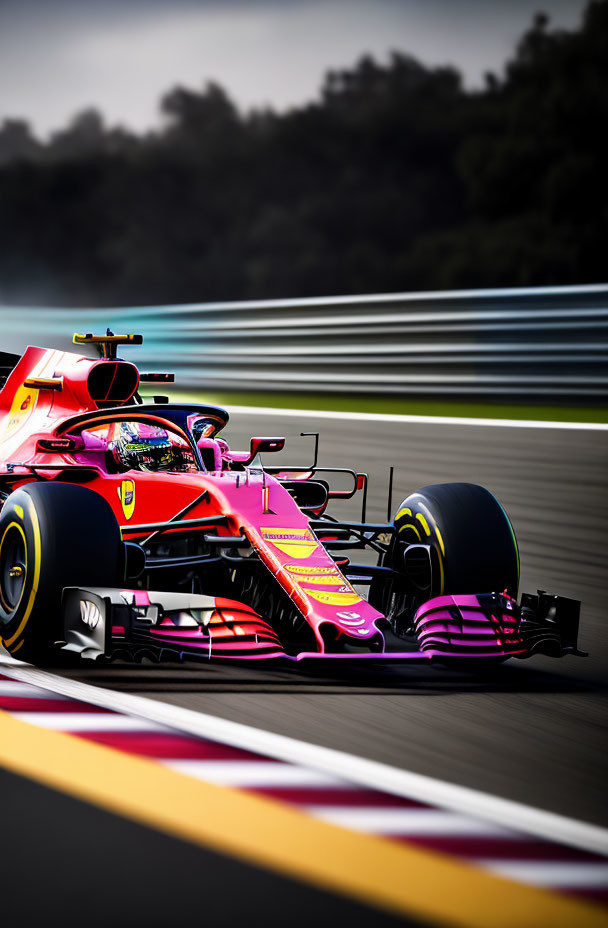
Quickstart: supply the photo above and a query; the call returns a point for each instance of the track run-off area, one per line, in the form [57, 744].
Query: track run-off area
[475, 772]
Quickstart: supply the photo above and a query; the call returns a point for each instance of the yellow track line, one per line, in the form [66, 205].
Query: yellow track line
[377, 872]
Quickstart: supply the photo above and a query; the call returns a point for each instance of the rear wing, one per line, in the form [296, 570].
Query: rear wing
[108, 343]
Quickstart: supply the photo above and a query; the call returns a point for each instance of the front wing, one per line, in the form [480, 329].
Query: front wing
[133, 624]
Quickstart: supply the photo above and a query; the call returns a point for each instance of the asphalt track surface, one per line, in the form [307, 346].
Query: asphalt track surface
[532, 731]
[98, 869]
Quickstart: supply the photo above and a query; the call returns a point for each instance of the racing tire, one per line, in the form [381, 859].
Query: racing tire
[52, 535]
[473, 545]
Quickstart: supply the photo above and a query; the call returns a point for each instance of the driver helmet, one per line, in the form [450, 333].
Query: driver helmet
[138, 446]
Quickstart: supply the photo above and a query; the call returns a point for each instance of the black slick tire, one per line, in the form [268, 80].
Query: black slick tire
[52, 535]
[473, 545]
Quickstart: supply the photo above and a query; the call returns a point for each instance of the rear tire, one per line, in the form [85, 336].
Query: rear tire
[52, 535]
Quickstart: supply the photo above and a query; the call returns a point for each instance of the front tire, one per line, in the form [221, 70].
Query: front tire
[473, 545]
[52, 535]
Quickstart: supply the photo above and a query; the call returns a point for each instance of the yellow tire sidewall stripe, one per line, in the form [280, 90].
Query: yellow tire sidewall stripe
[22, 533]
[440, 554]
[9, 642]
[430, 527]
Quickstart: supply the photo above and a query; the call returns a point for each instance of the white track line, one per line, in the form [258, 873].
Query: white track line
[362, 417]
[408, 822]
[247, 774]
[85, 721]
[571, 875]
[369, 773]
[24, 691]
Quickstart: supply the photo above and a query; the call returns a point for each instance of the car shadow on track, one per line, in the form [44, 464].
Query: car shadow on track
[278, 678]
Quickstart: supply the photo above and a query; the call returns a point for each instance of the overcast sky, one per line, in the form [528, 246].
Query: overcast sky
[59, 56]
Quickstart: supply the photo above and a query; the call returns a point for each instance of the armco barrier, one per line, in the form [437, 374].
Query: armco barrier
[542, 343]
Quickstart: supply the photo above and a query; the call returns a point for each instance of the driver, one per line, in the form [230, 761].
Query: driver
[138, 446]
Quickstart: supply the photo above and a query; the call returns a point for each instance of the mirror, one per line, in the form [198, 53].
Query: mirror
[58, 445]
[259, 445]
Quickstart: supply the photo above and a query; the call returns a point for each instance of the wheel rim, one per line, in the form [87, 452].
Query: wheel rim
[13, 567]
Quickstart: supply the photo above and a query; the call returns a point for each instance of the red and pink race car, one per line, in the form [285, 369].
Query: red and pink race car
[130, 529]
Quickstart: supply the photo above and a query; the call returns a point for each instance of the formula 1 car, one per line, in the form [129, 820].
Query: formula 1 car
[130, 529]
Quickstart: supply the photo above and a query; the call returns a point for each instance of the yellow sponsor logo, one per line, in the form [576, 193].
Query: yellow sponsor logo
[295, 542]
[126, 495]
[321, 581]
[334, 598]
[272, 533]
[25, 400]
[22, 407]
[305, 569]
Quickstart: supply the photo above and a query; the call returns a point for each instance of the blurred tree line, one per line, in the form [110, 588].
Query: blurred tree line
[397, 178]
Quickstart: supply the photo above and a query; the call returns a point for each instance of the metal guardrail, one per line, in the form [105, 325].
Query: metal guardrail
[542, 343]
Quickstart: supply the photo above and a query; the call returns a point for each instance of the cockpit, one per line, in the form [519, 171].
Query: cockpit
[133, 445]
[153, 438]
[176, 440]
